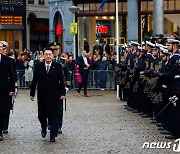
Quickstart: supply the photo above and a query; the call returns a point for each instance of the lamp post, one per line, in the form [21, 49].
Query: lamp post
[117, 40]
[74, 9]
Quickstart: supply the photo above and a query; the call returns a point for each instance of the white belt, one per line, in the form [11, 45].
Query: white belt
[164, 86]
[142, 72]
[177, 76]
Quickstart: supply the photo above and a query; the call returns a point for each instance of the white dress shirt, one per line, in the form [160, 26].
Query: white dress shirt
[85, 60]
[46, 65]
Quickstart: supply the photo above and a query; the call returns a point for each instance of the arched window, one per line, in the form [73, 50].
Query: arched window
[41, 2]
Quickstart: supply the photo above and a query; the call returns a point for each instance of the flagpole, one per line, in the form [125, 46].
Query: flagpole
[117, 41]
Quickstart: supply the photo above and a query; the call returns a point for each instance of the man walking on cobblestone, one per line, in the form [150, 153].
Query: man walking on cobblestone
[7, 86]
[84, 65]
[51, 90]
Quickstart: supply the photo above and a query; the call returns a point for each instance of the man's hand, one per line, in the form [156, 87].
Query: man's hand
[87, 65]
[62, 97]
[11, 93]
[32, 98]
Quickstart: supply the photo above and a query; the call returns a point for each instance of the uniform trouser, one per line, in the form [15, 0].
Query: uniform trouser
[177, 126]
[53, 122]
[138, 95]
[6, 121]
[173, 87]
[131, 96]
[121, 92]
[141, 95]
[162, 117]
[60, 119]
[128, 92]
[6, 117]
[84, 82]
[2, 123]
[121, 87]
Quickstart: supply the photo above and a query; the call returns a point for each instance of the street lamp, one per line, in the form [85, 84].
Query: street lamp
[74, 9]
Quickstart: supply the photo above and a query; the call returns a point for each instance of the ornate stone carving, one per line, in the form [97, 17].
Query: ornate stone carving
[61, 7]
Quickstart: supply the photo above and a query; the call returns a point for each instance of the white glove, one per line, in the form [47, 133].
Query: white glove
[66, 89]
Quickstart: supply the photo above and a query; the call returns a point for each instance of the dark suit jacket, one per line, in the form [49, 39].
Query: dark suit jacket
[49, 89]
[82, 65]
[7, 83]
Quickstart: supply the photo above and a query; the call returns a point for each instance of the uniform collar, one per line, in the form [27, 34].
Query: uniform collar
[176, 53]
[56, 58]
[154, 57]
[134, 52]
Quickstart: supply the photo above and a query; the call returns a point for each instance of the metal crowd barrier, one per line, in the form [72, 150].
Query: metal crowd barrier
[96, 80]
[22, 84]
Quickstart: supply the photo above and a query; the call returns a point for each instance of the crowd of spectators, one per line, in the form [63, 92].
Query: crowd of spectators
[26, 60]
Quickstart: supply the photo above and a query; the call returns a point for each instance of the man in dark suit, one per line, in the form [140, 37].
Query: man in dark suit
[10, 54]
[51, 90]
[7, 87]
[66, 76]
[84, 65]
[106, 47]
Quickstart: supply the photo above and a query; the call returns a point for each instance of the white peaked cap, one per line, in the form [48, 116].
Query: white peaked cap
[134, 43]
[150, 44]
[173, 41]
[164, 51]
[161, 46]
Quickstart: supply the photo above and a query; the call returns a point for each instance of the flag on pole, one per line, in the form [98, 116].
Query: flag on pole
[102, 4]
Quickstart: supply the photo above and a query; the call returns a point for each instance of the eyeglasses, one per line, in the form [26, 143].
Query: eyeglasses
[48, 54]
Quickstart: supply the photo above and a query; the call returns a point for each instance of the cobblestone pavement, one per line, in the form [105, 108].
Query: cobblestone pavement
[98, 124]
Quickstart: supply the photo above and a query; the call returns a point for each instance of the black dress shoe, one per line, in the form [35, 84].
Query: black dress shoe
[52, 139]
[1, 137]
[160, 124]
[161, 128]
[171, 137]
[144, 116]
[141, 113]
[125, 105]
[43, 133]
[5, 131]
[135, 111]
[166, 132]
[49, 127]
[129, 109]
[59, 131]
[153, 121]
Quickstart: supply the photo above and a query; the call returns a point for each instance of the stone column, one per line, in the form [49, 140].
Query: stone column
[81, 35]
[132, 20]
[28, 35]
[158, 16]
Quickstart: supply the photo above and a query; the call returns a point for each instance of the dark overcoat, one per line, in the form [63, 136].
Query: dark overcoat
[102, 71]
[50, 87]
[7, 83]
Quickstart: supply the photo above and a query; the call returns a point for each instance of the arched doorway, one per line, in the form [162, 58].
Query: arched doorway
[58, 27]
